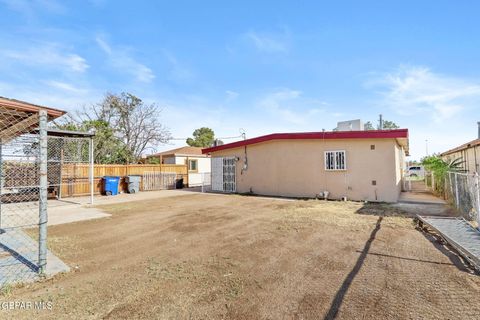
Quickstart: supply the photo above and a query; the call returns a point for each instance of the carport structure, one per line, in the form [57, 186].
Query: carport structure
[30, 154]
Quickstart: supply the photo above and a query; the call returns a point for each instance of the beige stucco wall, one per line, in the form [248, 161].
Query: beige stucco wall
[296, 168]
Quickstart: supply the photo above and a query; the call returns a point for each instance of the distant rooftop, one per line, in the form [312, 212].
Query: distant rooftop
[183, 151]
[464, 146]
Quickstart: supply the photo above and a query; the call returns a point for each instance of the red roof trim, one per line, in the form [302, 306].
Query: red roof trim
[373, 134]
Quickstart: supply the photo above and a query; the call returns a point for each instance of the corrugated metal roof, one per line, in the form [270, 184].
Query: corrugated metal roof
[464, 146]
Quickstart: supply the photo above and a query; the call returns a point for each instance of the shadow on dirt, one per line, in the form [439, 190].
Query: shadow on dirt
[382, 209]
[340, 295]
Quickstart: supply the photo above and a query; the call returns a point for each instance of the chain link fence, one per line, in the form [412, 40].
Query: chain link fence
[34, 167]
[69, 168]
[206, 178]
[463, 190]
[22, 195]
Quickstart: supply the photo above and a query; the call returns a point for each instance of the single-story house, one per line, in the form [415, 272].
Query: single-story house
[356, 165]
[469, 153]
[197, 162]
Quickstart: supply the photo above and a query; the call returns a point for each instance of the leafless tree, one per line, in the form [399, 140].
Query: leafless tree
[134, 122]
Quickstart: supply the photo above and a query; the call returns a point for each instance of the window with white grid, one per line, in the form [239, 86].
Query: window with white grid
[335, 160]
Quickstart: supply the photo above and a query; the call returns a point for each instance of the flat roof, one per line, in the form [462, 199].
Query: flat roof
[399, 134]
[68, 133]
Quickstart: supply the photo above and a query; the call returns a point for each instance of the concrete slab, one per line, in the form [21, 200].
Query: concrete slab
[19, 259]
[73, 213]
[420, 197]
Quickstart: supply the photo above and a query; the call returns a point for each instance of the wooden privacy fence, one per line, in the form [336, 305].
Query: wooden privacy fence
[75, 180]
[158, 180]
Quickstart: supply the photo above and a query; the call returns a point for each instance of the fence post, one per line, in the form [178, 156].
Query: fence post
[1, 180]
[42, 205]
[477, 194]
[456, 191]
[91, 176]
[449, 185]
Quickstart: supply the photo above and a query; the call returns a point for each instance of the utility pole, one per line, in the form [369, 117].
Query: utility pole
[380, 122]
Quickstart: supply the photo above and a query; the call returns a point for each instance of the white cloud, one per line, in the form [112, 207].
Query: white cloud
[52, 94]
[29, 8]
[413, 90]
[269, 42]
[231, 95]
[65, 87]
[121, 60]
[48, 55]
[291, 106]
[177, 71]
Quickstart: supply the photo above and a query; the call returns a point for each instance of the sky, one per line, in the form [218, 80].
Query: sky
[257, 67]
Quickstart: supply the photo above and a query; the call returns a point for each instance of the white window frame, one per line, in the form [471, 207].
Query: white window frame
[336, 166]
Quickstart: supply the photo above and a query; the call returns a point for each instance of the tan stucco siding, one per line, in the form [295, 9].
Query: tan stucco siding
[296, 168]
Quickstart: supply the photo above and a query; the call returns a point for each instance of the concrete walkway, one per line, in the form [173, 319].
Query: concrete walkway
[420, 201]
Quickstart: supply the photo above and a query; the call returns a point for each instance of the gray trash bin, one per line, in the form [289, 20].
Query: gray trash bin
[133, 183]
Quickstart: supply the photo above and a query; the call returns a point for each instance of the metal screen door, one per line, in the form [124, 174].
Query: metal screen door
[223, 174]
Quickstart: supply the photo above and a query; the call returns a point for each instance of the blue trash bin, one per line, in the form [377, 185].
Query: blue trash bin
[110, 185]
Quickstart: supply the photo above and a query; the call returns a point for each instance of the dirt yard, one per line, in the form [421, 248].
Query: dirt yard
[235, 257]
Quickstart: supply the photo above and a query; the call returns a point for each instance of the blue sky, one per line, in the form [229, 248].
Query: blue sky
[269, 66]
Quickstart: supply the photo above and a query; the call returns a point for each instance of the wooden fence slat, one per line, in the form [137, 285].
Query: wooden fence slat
[75, 176]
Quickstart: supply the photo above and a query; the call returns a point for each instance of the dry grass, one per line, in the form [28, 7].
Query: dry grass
[236, 257]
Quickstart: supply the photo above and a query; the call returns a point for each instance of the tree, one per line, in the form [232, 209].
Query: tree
[108, 149]
[387, 125]
[153, 160]
[368, 126]
[390, 125]
[131, 121]
[440, 167]
[203, 137]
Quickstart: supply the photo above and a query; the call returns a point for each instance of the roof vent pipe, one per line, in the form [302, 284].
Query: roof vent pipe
[478, 123]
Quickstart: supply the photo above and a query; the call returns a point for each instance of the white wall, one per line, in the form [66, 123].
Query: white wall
[204, 167]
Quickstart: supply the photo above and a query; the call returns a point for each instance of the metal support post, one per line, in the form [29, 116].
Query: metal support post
[477, 195]
[42, 206]
[456, 191]
[1, 180]
[90, 148]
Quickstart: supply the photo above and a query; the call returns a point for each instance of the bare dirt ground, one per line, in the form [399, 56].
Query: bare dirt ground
[235, 257]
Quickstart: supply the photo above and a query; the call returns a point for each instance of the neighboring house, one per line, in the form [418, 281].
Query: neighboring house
[468, 152]
[198, 163]
[358, 165]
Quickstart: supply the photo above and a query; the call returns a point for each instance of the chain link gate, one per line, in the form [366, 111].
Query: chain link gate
[22, 195]
[33, 167]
